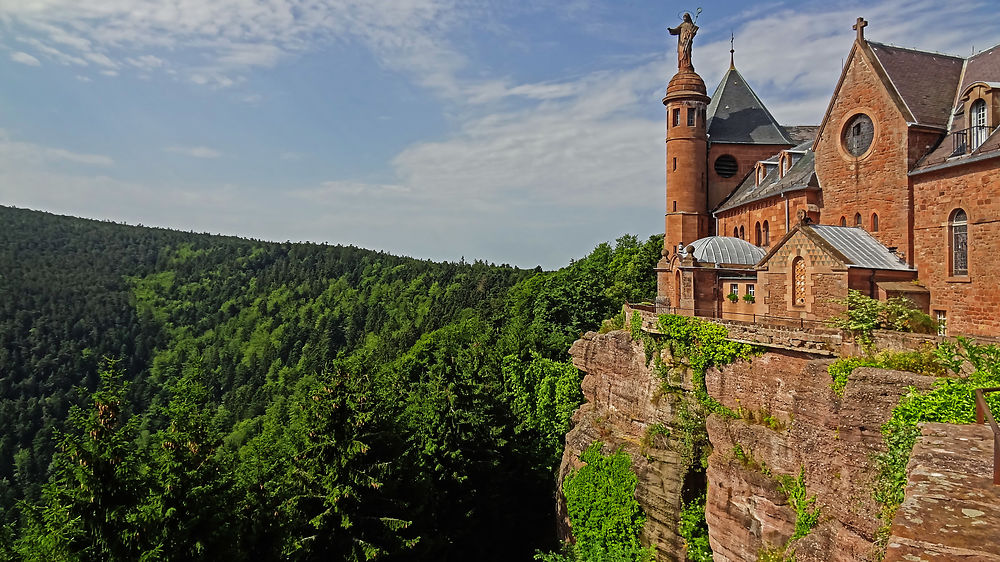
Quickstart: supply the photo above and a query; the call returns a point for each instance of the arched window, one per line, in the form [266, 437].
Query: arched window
[874, 222]
[959, 227]
[743, 234]
[857, 220]
[767, 235]
[736, 232]
[977, 124]
[799, 282]
[757, 234]
[843, 221]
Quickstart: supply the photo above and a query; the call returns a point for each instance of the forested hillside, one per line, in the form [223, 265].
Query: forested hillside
[183, 396]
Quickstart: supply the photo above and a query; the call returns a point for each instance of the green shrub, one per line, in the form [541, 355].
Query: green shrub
[864, 315]
[694, 530]
[925, 361]
[603, 512]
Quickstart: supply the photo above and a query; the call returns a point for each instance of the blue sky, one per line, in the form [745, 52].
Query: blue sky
[515, 132]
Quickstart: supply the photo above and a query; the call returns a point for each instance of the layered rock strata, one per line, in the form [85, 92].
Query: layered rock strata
[790, 421]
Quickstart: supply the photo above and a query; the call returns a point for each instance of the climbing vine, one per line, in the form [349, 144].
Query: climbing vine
[949, 400]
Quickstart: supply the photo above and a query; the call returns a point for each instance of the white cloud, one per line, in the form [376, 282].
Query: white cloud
[234, 36]
[26, 153]
[24, 58]
[194, 151]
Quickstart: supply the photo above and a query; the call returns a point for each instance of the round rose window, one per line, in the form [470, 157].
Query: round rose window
[858, 134]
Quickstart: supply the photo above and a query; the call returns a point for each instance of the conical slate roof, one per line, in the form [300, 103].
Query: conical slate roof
[736, 115]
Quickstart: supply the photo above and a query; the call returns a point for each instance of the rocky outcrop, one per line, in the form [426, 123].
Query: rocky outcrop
[950, 509]
[831, 439]
[791, 420]
[624, 397]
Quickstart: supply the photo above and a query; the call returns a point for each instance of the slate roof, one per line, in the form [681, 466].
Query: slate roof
[982, 67]
[802, 175]
[736, 115]
[801, 133]
[726, 249]
[926, 82]
[860, 248]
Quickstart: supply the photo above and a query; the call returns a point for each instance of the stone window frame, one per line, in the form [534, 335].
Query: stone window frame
[874, 222]
[757, 234]
[858, 221]
[959, 240]
[793, 284]
[743, 233]
[843, 220]
[876, 133]
[767, 234]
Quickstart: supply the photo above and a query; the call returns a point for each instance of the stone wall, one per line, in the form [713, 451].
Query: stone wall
[970, 301]
[771, 210]
[746, 156]
[875, 182]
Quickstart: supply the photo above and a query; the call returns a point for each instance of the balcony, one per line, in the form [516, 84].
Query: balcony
[965, 141]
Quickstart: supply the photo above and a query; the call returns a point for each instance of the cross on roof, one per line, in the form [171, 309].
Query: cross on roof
[860, 28]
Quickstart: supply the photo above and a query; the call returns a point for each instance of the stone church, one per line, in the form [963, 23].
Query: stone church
[895, 193]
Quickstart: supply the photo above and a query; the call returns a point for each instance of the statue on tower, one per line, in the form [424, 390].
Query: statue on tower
[686, 32]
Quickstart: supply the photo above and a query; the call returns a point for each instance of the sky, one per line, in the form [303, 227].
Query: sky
[518, 132]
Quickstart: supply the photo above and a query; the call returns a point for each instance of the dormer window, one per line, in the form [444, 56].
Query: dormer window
[978, 130]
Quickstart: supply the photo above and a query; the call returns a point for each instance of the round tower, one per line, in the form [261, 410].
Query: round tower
[687, 153]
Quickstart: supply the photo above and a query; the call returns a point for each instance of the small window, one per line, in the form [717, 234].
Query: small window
[757, 234]
[691, 116]
[675, 206]
[799, 282]
[675, 165]
[734, 289]
[857, 220]
[677, 117]
[736, 232]
[743, 235]
[767, 235]
[750, 289]
[941, 317]
[874, 222]
[843, 221]
[959, 226]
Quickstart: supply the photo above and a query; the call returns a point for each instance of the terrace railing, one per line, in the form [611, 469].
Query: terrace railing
[983, 414]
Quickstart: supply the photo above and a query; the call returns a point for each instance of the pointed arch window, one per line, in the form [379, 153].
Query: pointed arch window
[743, 234]
[757, 234]
[799, 282]
[857, 220]
[843, 221]
[958, 226]
[978, 131]
[874, 222]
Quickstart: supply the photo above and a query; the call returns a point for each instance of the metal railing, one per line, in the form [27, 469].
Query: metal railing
[966, 140]
[982, 414]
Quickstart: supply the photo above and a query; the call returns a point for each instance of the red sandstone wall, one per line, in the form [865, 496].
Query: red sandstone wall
[876, 182]
[746, 156]
[971, 302]
[771, 210]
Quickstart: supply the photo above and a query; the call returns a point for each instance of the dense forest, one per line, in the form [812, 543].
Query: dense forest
[177, 396]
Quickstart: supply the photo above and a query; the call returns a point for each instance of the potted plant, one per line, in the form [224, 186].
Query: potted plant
[733, 297]
[749, 298]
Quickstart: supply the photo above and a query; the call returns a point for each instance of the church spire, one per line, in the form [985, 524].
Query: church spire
[732, 49]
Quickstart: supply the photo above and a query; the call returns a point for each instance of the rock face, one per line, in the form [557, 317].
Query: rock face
[830, 439]
[950, 509]
[623, 399]
[791, 420]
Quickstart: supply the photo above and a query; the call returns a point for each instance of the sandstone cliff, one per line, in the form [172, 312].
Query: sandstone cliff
[790, 421]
